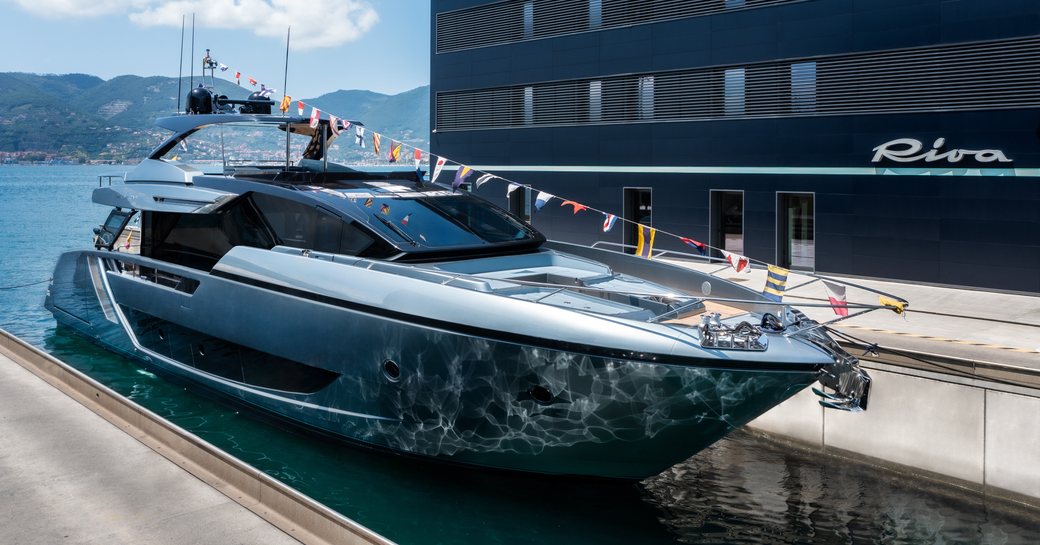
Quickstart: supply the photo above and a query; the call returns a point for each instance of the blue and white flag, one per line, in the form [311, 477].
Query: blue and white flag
[511, 188]
[542, 198]
[608, 222]
[359, 135]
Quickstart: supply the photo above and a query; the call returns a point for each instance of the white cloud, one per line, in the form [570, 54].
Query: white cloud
[315, 23]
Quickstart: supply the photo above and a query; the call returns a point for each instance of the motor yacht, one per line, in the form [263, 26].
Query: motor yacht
[403, 315]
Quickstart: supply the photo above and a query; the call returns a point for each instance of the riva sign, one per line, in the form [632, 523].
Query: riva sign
[908, 150]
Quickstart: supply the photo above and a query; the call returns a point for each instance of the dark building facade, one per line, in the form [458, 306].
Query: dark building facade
[886, 138]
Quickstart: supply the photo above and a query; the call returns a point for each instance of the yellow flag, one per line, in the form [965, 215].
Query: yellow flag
[895, 305]
[645, 247]
[284, 106]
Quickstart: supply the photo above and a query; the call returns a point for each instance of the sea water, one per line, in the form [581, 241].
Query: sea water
[745, 489]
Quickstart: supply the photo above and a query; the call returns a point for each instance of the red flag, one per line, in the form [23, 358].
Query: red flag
[315, 117]
[577, 207]
[252, 81]
[740, 263]
[334, 124]
[238, 78]
[299, 107]
[836, 295]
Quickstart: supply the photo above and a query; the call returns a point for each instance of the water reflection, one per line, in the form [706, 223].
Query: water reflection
[747, 489]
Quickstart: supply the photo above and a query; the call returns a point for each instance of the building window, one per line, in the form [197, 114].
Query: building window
[595, 101]
[595, 14]
[528, 19]
[734, 91]
[528, 105]
[803, 86]
[646, 97]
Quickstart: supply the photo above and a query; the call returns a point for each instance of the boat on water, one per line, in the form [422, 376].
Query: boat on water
[402, 315]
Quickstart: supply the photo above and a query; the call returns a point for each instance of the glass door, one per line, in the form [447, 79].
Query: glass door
[727, 221]
[796, 231]
[638, 207]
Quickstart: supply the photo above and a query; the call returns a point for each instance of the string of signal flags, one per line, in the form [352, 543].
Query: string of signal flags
[776, 279]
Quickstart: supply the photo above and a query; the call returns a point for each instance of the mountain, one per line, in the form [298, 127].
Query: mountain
[79, 117]
[405, 115]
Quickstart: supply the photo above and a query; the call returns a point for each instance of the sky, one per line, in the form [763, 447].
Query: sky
[378, 45]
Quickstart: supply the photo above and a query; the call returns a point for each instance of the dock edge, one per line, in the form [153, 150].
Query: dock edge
[293, 512]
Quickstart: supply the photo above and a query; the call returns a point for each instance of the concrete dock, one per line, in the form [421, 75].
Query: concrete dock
[81, 464]
[68, 476]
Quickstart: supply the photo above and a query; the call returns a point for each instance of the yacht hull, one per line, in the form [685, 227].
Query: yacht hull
[455, 396]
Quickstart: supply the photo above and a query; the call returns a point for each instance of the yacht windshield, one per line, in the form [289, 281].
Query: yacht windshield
[438, 218]
[211, 148]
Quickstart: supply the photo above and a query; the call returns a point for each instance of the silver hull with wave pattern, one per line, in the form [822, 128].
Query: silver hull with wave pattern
[456, 395]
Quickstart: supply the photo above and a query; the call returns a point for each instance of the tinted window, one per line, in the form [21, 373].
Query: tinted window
[305, 226]
[200, 240]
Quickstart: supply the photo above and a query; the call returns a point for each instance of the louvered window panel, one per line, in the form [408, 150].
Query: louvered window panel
[989, 75]
[518, 20]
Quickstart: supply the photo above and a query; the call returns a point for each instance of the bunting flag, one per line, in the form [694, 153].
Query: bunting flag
[334, 124]
[460, 176]
[252, 81]
[284, 106]
[418, 158]
[359, 136]
[394, 155]
[368, 202]
[299, 107]
[542, 198]
[699, 246]
[385, 209]
[404, 220]
[608, 222]
[740, 263]
[265, 92]
[315, 117]
[238, 78]
[894, 305]
[223, 67]
[836, 295]
[128, 239]
[511, 188]
[776, 281]
[577, 206]
[375, 142]
[645, 247]
[483, 180]
[437, 168]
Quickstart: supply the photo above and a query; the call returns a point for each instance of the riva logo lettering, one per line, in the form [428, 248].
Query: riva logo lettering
[908, 150]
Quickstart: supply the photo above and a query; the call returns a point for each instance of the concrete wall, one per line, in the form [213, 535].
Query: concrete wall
[973, 431]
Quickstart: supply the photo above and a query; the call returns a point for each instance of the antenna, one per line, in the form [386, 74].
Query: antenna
[285, 92]
[191, 64]
[180, 70]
